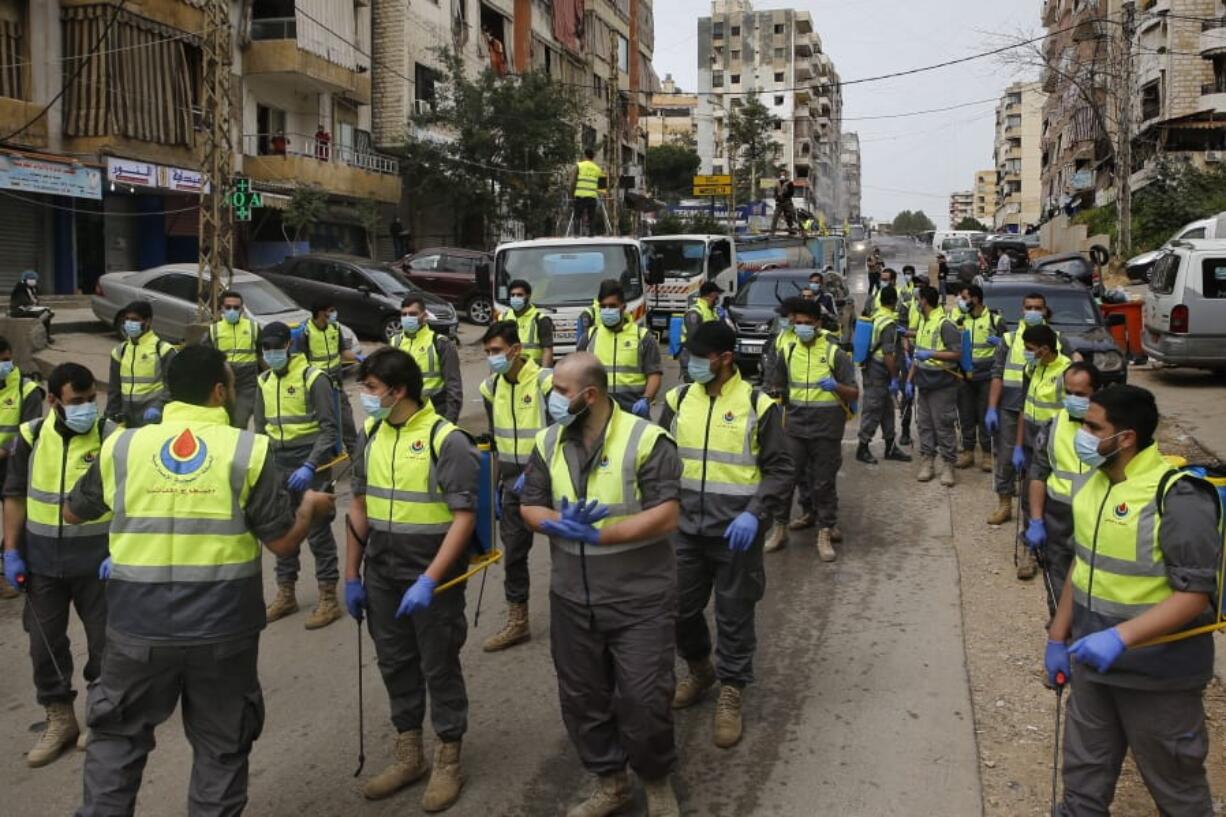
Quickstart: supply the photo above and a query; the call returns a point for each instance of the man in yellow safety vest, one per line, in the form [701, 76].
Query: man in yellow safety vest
[436, 357]
[328, 350]
[628, 352]
[933, 382]
[586, 192]
[136, 389]
[701, 311]
[238, 338]
[21, 400]
[534, 326]
[983, 326]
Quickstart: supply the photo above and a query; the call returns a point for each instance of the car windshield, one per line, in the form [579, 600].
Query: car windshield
[387, 280]
[1072, 307]
[262, 298]
[678, 259]
[956, 244]
[571, 275]
[856, 232]
[962, 256]
[768, 291]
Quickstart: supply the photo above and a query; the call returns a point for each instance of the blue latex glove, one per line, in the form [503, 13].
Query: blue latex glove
[1100, 650]
[355, 598]
[924, 354]
[417, 597]
[568, 529]
[300, 480]
[498, 503]
[14, 568]
[104, 569]
[642, 408]
[741, 533]
[1036, 534]
[894, 388]
[907, 362]
[153, 414]
[908, 390]
[585, 514]
[828, 384]
[995, 340]
[520, 481]
[1019, 458]
[1055, 660]
[361, 358]
[721, 313]
[991, 421]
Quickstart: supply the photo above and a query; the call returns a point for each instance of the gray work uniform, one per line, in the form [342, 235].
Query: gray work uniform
[973, 395]
[1151, 700]
[316, 450]
[63, 573]
[420, 654]
[937, 402]
[246, 380]
[130, 412]
[214, 676]
[649, 363]
[815, 437]
[449, 401]
[613, 624]
[1057, 514]
[877, 407]
[906, 408]
[1012, 403]
[705, 562]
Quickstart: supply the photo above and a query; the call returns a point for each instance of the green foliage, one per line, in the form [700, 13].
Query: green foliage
[909, 223]
[671, 169]
[972, 223]
[698, 223]
[369, 218]
[751, 146]
[305, 209]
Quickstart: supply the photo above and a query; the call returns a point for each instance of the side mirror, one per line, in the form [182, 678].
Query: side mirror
[655, 270]
[727, 301]
[1116, 319]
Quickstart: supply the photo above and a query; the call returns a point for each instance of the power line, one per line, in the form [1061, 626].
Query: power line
[48, 205]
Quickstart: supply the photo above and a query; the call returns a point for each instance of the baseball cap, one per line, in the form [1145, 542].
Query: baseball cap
[275, 335]
[709, 287]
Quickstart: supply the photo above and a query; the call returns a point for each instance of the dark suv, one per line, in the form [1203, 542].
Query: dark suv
[752, 311]
[367, 293]
[461, 277]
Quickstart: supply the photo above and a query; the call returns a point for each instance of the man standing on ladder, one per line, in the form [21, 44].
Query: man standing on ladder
[587, 192]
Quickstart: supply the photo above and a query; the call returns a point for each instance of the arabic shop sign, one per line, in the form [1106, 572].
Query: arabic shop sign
[51, 178]
[146, 174]
[184, 181]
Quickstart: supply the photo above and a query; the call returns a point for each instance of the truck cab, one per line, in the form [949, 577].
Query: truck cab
[686, 262]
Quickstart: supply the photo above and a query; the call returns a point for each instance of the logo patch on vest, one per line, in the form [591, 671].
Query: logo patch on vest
[183, 455]
[527, 399]
[89, 456]
[8, 401]
[604, 461]
[291, 390]
[729, 416]
[1121, 510]
[418, 446]
[627, 343]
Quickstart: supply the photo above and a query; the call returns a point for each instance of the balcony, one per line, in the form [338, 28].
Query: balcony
[275, 51]
[339, 169]
[801, 112]
[1213, 38]
[1213, 96]
[804, 71]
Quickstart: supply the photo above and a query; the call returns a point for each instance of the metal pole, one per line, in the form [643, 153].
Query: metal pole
[1123, 159]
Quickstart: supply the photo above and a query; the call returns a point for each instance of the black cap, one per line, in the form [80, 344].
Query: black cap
[712, 337]
[709, 287]
[275, 335]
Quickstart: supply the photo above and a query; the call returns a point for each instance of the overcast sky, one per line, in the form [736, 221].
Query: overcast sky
[908, 163]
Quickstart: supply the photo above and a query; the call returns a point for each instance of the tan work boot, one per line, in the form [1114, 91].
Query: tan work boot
[612, 794]
[7, 591]
[985, 462]
[286, 603]
[728, 717]
[1003, 512]
[836, 535]
[965, 459]
[947, 474]
[925, 472]
[60, 734]
[408, 766]
[515, 631]
[825, 550]
[327, 611]
[805, 520]
[777, 538]
[1026, 564]
[661, 800]
[446, 778]
[692, 687]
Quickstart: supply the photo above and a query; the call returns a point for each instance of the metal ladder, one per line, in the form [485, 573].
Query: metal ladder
[570, 222]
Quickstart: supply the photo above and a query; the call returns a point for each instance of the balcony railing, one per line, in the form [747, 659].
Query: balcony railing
[1216, 87]
[274, 28]
[1209, 25]
[298, 144]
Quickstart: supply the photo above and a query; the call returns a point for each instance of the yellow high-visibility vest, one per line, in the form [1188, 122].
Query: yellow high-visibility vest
[1068, 472]
[587, 180]
[529, 331]
[288, 414]
[704, 312]
[928, 336]
[54, 472]
[14, 390]
[142, 367]
[519, 409]
[618, 350]
[237, 341]
[1045, 392]
[402, 492]
[423, 348]
[323, 347]
[808, 364]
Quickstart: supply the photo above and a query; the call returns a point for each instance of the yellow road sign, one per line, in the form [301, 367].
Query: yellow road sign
[703, 181]
[713, 190]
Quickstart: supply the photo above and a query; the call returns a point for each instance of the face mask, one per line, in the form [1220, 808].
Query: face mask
[813, 287]
[231, 315]
[1033, 317]
[332, 316]
[6, 369]
[785, 324]
[499, 364]
[964, 306]
[700, 370]
[276, 358]
[806, 331]
[81, 418]
[560, 409]
[610, 316]
[1076, 405]
[133, 329]
[906, 278]
[372, 404]
[32, 281]
[1030, 357]
[1086, 446]
[410, 323]
[518, 302]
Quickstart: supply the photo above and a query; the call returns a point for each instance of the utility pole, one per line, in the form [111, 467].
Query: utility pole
[216, 218]
[615, 137]
[1123, 153]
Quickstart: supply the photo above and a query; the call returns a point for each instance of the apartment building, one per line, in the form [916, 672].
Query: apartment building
[984, 208]
[961, 206]
[776, 56]
[1018, 155]
[849, 163]
[671, 115]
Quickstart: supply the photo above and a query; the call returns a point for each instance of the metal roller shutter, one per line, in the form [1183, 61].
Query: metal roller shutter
[21, 240]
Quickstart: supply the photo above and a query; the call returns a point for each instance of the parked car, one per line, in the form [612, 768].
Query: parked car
[1074, 265]
[367, 293]
[1017, 249]
[1140, 266]
[1075, 315]
[752, 311]
[1185, 306]
[172, 291]
[461, 277]
[963, 265]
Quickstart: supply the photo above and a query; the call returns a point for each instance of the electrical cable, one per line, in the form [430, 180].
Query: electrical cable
[61, 208]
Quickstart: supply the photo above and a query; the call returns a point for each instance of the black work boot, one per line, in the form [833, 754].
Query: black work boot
[905, 439]
[865, 455]
[894, 453]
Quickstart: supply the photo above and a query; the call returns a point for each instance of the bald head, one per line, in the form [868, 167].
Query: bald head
[579, 371]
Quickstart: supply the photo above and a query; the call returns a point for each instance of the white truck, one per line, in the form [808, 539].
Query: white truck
[686, 263]
[565, 276]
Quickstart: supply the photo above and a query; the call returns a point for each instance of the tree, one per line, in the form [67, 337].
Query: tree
[972, 223]
[909, 223]
[369, 218]
[305, 208]
[498, 149]
[671, 169]
[752, 149]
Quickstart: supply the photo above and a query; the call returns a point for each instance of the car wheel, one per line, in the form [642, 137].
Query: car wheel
[391, 327]
[480, 310]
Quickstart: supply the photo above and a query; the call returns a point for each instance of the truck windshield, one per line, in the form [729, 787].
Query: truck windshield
[570, 275]
[678, 259]
[768, 291]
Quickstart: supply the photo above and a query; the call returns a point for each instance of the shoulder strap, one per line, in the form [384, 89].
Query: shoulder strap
[1173, 475]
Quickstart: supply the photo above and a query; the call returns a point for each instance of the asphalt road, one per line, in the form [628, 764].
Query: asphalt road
[861, 705]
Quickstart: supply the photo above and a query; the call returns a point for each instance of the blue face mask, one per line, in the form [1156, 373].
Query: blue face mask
[81, 418]
[332, 316]
[610, 317]
[518, 302]
[1030, 357]
[372, 404]
[231, 315]
[964, 306]
[133, 329]
[1076, 405]
[6, 369]
[276, 358]
[31, 280]
[410, 323]
[560, 411]
[499, 364]
[815, 287]
[805, 331]
[785, 324]
[700, 370]
[1086, 446]
[1032, 317]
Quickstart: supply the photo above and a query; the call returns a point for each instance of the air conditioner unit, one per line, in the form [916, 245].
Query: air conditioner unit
[1213, 155]
[422, 107]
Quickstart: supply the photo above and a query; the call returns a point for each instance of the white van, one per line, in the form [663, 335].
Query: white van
[945, 240]
[1140, 267]
[1185, 306]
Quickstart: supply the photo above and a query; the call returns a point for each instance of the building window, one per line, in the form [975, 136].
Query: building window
[779, 53]
[735, 79]
[623, 54]
[778, 28]
[423, 86]
[1151, 101]
[717, 79]
[778, 100]
[736, 56]
[14, 33]
[736, 31]
[717, 30]
[777, 124]
[778, 76]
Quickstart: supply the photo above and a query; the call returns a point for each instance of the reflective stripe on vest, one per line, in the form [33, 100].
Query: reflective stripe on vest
[587, 180]
[236, 341]
[288, 413]
[1068, 472]
[529, 331]
[808, 364]
[618, 350]
[402, 493]
[705, 314]
[613, 481]
[929, 337]
[422, 348]
[53, 472]
[519, 410]
[13, 394]
[141, 367]
[717, 440]
[981, 330]
[882, 320]
[323, 346]
[1045, 392]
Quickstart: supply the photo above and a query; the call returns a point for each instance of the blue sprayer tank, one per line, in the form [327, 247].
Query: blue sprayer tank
[968, 347]
[487, 484]
[862, 340]
[674, 334]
